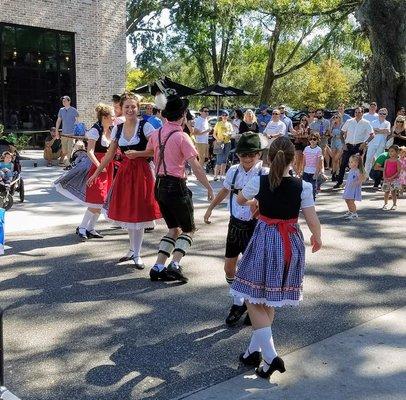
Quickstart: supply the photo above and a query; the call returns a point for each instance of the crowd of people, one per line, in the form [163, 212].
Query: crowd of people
[135, 172]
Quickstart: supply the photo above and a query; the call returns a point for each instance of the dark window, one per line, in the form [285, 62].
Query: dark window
[37, 67]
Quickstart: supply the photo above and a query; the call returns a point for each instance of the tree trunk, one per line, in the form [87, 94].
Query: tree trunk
[385, 24]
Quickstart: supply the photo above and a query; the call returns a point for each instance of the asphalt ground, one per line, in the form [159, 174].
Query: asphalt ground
[77, 325]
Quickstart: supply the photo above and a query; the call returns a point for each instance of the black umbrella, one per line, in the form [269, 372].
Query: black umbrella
[220, 90]
[167, 86]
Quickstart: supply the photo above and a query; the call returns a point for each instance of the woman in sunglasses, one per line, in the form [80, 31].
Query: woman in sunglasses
[336, 145]
[398, 135]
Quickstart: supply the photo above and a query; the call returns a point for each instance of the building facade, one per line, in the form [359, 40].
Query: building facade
[51, 48]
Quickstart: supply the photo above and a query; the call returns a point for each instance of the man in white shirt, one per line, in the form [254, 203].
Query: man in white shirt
[356, 134]
[371, 115]
[201, 132]
[285, 119]
[381, 129]
[274, 129]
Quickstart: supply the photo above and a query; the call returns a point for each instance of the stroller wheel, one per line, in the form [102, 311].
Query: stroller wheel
[21, 190]
[8, 202]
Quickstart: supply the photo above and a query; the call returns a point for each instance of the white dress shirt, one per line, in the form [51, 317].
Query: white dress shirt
[357, 131]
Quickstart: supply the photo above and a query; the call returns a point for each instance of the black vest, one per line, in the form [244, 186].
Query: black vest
[281, 203]
[142, 144]
[98, 147]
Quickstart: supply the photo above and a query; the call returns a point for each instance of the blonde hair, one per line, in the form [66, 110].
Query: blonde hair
[250, 112]
[281, 154]
[103, 110]
[358, 158]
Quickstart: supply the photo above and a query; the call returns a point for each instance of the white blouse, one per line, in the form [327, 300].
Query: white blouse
[93, 133]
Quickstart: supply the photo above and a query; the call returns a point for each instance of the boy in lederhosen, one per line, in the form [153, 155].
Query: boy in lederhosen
[172, 148]
[242, 220]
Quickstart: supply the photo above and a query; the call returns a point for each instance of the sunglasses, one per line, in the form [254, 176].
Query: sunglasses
[313, 139]
[275, 113]
[400, 122]
[224, 115]
[381, 113]
[205, 110]
[247, 155]
[312, 112]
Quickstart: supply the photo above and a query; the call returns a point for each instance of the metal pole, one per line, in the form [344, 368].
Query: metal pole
[1, 349]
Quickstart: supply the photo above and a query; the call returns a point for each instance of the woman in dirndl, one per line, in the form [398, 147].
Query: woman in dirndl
[270, 273]
[72, 184]
[131, 202]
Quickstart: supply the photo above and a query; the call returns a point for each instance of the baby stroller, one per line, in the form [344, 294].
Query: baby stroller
[7, 190]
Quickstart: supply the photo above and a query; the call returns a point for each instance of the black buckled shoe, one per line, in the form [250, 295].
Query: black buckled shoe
[129, 256]
[253, 360]
[236, 312]
[94, 235]
[163, 275]
[247, 320]
[82, 236]
[277, 364]
[177, 273]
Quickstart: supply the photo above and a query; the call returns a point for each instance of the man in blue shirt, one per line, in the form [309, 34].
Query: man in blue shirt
[263, 118]
[154, 122]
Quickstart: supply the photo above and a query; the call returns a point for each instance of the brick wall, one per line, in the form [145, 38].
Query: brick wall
[100, 44]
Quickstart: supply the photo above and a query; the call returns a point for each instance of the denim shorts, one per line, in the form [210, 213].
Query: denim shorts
[222, 157]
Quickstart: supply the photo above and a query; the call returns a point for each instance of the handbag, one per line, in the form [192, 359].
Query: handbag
[218, 147]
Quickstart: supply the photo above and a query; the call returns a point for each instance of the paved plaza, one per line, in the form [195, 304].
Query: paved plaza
[79, 326]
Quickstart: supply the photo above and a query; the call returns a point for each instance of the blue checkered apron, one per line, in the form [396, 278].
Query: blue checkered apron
[260, 273]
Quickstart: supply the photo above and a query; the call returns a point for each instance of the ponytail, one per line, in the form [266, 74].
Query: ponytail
[281, 154]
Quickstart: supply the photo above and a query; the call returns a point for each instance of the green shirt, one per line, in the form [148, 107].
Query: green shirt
[382, 158]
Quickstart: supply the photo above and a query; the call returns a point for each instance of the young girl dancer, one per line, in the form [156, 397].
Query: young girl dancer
[242, 221]
[352, 191]
[131, 201]
[391, 172]
[270, 272]
[72, 184]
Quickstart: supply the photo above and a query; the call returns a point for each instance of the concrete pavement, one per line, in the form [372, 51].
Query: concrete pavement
[78, 325]
[366, 362]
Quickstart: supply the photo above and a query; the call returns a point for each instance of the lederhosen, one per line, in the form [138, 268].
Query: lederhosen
[172, 194]
[239, 232]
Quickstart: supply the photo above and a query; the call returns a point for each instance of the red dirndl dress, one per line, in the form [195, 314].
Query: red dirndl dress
[131, 201]
[97, 193]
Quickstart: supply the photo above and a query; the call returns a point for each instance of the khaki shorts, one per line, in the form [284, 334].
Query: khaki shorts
[202, 149]
[67, 145]
[49, 155]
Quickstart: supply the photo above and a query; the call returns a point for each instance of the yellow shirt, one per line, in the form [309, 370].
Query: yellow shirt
[223, 131]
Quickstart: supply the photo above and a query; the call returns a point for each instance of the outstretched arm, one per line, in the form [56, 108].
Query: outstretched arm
[221, 195]
[313, 223]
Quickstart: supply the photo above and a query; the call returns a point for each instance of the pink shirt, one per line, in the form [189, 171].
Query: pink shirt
[312, 157]
[178, 150]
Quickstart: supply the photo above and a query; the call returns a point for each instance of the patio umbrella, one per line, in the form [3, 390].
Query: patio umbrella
[220, 90]
[167, 86]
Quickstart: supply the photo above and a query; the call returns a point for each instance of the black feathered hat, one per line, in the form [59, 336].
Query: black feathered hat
[175, 107]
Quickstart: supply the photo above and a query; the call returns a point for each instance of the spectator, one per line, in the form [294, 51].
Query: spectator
[311, 115]
[201, 132]
[118, 117]
[154, 122]
[149, 108]
[249, 124]
[358, 133]
[53, 147]
[381, 129]
[376, 173]
[401, 111]
[398, 135]
[322, 126]
[236, 122]
[263, 118]
[371, 115]
[286, 120]
[336, 145]
[68, 116]
[222, 133]
[300, 142]
[275, 128]
[6, 167]
[344, 117]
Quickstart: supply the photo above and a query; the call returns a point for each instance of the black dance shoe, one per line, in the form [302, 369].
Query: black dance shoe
[163, 275]
[236, 312]
[247, 320]
[253, 360]
[277, 364]
[138, 265]
[82, 236]
[176, 273]
[150, 229]
[94, 235]
[129, 256]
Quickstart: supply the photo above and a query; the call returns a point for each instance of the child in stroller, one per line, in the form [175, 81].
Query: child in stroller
[6, 167]
[10, 178]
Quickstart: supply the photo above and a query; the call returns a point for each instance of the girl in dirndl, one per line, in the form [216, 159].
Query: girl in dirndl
[131, 202]
[270, 273]
[72, 184]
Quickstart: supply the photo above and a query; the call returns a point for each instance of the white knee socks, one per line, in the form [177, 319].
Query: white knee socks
[92, 222]
[136, 236]
[254, 344]
[85, 222]
[265, 340]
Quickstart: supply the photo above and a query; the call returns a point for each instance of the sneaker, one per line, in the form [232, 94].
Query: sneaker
[385, 207]
[236, 312]
[351, 216]
[176, 272]
[347, 214]
[163, 275]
